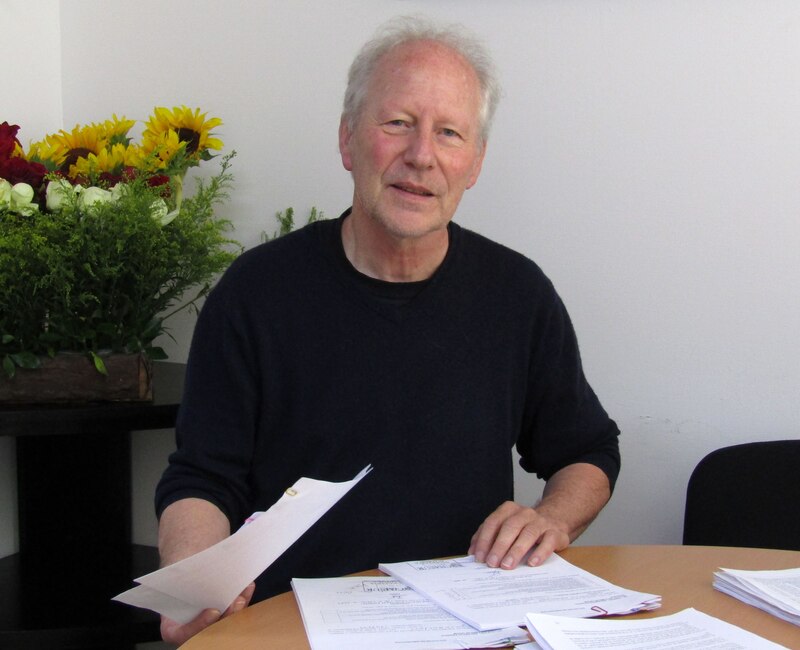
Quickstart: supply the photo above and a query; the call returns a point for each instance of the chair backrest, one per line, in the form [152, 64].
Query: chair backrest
[746, 495]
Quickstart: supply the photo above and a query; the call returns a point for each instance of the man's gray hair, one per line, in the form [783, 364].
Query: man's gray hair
[408, 29]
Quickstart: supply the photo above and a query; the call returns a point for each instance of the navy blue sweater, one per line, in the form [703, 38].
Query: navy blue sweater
[300, 366]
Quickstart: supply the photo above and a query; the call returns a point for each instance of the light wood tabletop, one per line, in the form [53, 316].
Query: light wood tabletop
[681, 575]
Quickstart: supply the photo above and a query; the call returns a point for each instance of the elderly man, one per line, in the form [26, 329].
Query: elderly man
[390, 336]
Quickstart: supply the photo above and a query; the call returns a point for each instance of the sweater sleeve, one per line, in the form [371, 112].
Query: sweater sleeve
[564, 422]
[215, 428]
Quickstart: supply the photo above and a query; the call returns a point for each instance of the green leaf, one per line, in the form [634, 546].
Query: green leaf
[107, 328]
[7, 338]
[26, 360]
[98, 363]
[153, 329]
[156, 353]
[9, 367]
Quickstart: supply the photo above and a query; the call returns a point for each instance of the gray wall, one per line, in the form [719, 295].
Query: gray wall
[645, 154]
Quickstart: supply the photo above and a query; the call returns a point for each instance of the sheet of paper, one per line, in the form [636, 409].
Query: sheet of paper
[776, 591]
[214, 577]
[489, 598]
[688, 630]
[364, 613]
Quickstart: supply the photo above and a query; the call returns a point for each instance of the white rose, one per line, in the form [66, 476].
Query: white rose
[160, 212]
[118, 191]
[22, 199]
[92, 196]
[57, 192]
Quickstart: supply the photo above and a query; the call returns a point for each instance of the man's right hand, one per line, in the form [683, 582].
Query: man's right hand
[187, 527]
[179, 634]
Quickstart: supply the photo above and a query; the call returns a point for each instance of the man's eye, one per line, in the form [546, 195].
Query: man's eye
[450, 133]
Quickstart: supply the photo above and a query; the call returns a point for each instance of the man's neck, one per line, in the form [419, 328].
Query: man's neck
[378, 254]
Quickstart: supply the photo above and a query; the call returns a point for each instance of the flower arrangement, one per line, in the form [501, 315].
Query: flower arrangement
[98, 244]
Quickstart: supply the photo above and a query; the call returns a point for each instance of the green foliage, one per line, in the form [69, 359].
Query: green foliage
[286, 222]
[106, 277]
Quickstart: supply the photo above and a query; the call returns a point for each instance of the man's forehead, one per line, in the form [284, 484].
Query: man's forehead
[425, 61]
[424, 53]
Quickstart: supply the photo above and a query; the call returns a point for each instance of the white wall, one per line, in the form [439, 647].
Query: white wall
[646, 154]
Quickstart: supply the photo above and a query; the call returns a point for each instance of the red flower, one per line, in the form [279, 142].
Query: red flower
[13, 168]
[19, 170]
[8, 139]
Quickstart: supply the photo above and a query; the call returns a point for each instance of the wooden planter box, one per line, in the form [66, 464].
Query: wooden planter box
[72, 377]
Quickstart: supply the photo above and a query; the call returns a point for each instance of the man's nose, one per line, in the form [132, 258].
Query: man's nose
[420, 151]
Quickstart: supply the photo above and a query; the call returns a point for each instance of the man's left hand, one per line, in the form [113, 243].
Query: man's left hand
[571, 499]
[511, 531]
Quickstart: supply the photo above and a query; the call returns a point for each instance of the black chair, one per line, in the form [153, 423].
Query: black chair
[746, 495]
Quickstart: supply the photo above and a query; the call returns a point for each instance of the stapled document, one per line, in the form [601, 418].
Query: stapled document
[488, 598]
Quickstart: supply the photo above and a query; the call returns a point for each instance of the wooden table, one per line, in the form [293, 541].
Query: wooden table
[74, 501]
[682, 575]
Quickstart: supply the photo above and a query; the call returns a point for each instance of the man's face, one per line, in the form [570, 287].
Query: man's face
[416, 144]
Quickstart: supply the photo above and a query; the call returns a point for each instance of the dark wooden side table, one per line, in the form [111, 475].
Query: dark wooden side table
[74, 494]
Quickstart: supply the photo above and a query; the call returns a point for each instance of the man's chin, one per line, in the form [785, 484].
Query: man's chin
[411, 225]
[410, 232]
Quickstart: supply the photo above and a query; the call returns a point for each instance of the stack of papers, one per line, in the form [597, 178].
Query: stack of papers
[488, 598]
[686, 629]
[364, 613]
[452, 604]
[776, 592]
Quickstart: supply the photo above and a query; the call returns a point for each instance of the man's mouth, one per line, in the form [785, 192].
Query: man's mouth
[413, 189]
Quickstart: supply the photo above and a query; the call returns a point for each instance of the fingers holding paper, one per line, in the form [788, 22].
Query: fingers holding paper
[177, 633]
[242, 601]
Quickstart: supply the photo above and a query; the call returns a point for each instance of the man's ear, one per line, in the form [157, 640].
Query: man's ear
[344, 144]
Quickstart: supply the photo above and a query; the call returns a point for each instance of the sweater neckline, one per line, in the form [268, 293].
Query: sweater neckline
[392, 299]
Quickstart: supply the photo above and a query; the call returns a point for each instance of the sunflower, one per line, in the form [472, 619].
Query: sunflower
[110, 160]
[44, 153]
[115, 130]
[191, 128]
[164, 153]
[67, 148]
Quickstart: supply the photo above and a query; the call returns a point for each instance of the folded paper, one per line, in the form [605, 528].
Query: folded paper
[213, 578]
